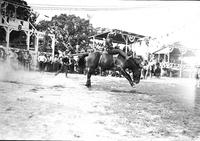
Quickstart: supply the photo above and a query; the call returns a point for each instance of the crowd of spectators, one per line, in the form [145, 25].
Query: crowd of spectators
[49, 64]
[19, 59]
[155, 67]
[151, 68]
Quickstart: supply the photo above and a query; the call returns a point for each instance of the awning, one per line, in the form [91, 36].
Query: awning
[119, 38]
[164, 50]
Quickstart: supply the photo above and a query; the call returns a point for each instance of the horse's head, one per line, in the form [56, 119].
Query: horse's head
[135, 64]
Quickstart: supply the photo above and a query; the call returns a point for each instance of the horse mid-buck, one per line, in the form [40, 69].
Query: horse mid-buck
[107, 62]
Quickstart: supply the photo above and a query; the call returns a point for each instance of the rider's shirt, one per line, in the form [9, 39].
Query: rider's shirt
[109, 44]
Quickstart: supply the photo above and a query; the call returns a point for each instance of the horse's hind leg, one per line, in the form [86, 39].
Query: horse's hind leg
[89, 73]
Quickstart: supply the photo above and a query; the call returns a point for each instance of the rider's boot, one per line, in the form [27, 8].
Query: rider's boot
[128, 57]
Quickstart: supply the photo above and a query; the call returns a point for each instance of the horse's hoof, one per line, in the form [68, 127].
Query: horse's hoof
[88, 85]
[132, 84]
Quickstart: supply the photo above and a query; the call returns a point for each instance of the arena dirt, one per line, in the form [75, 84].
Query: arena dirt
[39, 106]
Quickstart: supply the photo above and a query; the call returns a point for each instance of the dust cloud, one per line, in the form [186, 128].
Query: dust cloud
[12, 71]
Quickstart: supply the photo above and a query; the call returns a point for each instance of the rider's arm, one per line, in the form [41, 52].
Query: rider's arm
[109, 44]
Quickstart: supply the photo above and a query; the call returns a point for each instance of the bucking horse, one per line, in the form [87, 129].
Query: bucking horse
[107, 62]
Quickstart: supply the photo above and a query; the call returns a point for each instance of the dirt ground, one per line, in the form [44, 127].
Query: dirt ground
[39, 106]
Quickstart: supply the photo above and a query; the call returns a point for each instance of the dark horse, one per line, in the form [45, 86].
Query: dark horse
[107, 62]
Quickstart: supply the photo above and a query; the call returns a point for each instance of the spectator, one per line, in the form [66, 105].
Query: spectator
[145, 69]
[49, 63]
[157, 70]
[56, 63]
[12, 58]
[28, 60]
[71, 64]
[42, 60]
[197, 76]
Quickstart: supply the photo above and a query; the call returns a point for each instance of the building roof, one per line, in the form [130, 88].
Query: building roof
[164, 50]
[120, 37]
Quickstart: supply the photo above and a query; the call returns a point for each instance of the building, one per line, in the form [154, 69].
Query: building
[18, 33]
[125, 40]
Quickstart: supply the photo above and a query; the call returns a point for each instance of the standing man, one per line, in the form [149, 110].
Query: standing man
[64, 66]
[55, 63]
[42, 60]
[29, 60]
[197, 76]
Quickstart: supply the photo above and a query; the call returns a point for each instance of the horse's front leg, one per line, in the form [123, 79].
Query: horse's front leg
[127, 76]
[89, 73]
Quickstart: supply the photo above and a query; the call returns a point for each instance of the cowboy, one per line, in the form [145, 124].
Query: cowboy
[64, 65]
[109, 46]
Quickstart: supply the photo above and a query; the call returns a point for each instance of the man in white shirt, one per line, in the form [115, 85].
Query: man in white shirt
[42, 60]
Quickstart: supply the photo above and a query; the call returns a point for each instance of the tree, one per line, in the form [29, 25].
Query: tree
[69, 31]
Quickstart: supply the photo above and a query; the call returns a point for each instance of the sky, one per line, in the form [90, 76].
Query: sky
[167, 20]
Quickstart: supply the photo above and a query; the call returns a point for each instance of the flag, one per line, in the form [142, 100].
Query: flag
[88, 16]
[46, 16]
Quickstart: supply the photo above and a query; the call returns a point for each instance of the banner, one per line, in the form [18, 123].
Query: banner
[131, 38]
[171, 49]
